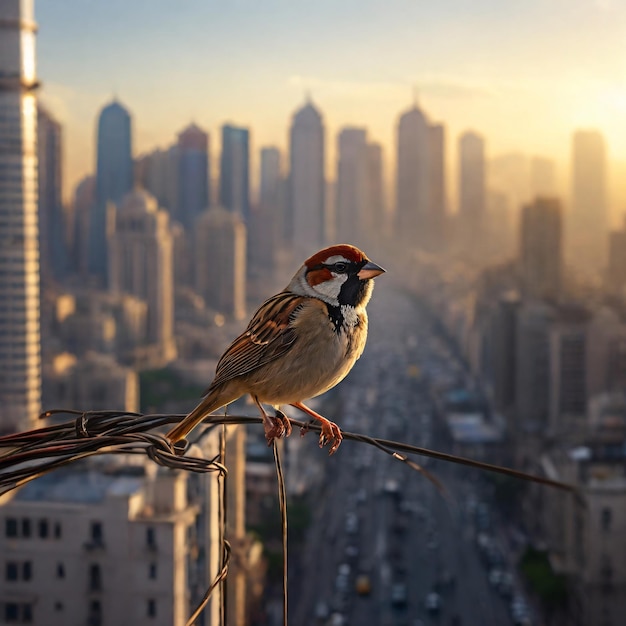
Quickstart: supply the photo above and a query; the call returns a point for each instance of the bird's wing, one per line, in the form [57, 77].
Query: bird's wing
[268, 336]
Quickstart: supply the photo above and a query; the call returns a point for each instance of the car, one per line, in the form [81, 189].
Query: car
[363, 585]
[352, 523]
[495, 577]
[398, 595]
[341, 583]
[337, 619]
[344, 569]
[352, 551]
[321, 611]
[433, 602]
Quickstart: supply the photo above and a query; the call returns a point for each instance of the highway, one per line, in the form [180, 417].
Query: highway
[376, 520]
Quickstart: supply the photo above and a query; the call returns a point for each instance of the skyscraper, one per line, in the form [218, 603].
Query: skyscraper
[542, 177]
[235, 170]
[351, 206]
[141, 264]
[193, 176]
[588, 222]
[20, 362]
[471, 216]
[53, 250]
[541, 248]
[114, 179]
[419, 181]
[306, 224]
[376, 218]
[220, 261]
[617, 259]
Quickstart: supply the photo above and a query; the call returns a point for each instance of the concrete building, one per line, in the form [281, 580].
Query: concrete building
[220, 261]
[541, 248]
[568, 371]
[158, 172]
[20, 361]
[532, 367]
[114, 179]
[588, 220]
[472, 193]
[82, 205]
[104, 545]
[53, 249]
[141, 264]
[306, 224]
[235, 171]
[93, 382]
[352, 208]
[377, 219]
[194, 192]
[616, 277]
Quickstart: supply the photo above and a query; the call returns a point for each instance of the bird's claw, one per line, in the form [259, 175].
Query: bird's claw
[305, 429]
[330, 434]
[277, 427]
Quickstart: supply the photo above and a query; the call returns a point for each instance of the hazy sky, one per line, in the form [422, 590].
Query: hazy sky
[523, 73]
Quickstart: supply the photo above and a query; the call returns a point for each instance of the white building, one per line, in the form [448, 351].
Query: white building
[141, 264]
[20, 362]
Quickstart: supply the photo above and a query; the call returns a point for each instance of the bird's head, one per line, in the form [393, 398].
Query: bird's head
[338, 275]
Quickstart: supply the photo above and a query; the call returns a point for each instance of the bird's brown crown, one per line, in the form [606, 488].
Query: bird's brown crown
[348, 252]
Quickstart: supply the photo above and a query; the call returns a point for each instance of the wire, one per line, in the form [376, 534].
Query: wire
[282, 500]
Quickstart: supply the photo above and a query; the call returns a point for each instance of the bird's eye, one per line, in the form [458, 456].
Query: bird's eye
[340, 267]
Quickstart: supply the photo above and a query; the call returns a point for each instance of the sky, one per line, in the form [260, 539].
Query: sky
[525, 74]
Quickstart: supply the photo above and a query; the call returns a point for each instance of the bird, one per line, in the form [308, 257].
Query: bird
[300, 343]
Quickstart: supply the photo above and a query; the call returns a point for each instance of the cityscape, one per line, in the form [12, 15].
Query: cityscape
[498, 333]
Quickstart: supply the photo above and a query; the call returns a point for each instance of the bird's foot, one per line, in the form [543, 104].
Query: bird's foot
[276, 427]
[330, 434]
[285, 420]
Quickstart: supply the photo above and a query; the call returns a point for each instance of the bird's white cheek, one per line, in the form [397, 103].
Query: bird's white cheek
[329, 290]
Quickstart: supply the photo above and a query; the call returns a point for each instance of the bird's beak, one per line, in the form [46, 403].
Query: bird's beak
[370, 270]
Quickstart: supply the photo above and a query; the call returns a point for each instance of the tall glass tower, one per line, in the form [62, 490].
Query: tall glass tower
[114, 179]
[235, 170]
[20, 361]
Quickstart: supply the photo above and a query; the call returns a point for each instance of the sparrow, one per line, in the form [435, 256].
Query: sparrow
[299, 344]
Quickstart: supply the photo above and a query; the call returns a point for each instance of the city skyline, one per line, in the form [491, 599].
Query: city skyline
[361, 71]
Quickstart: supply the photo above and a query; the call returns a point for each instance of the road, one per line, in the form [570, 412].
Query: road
[407, 533]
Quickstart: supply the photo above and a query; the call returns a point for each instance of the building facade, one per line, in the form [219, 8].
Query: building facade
[20, 360]
[235, 170]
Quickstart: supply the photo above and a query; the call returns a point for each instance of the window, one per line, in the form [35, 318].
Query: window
[152, 571]
[27, 613]
[57, 531]
[96, 532]
[43, 528]
[11, 571]
[10, 527]
[95, 613]
[11, 612]
[606, 519]
[25, 527]
[58, 606]
[27, 570]
[152, 608]
[60, 570]
[150, 537]
[95, 577]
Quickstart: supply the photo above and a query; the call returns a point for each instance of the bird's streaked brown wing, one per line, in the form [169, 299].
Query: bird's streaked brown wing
[268, 336]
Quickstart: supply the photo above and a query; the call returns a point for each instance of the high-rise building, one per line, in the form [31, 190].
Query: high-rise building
[220, 261]
[20, 361]
[157, 172]
[617, 259]
[351, 207]
[194, 192]
[83, 203]
[472, 194]
[568, 371]
[532, 366]
[419, 181]
[114, 179]
[306, 223]
[377, 220]
[588, 221]
[267, 217]
[235, 170]
[541, 248]
[53, 250]
[141, 264]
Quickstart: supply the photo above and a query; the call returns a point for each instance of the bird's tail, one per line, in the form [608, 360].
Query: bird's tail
[214, 399]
